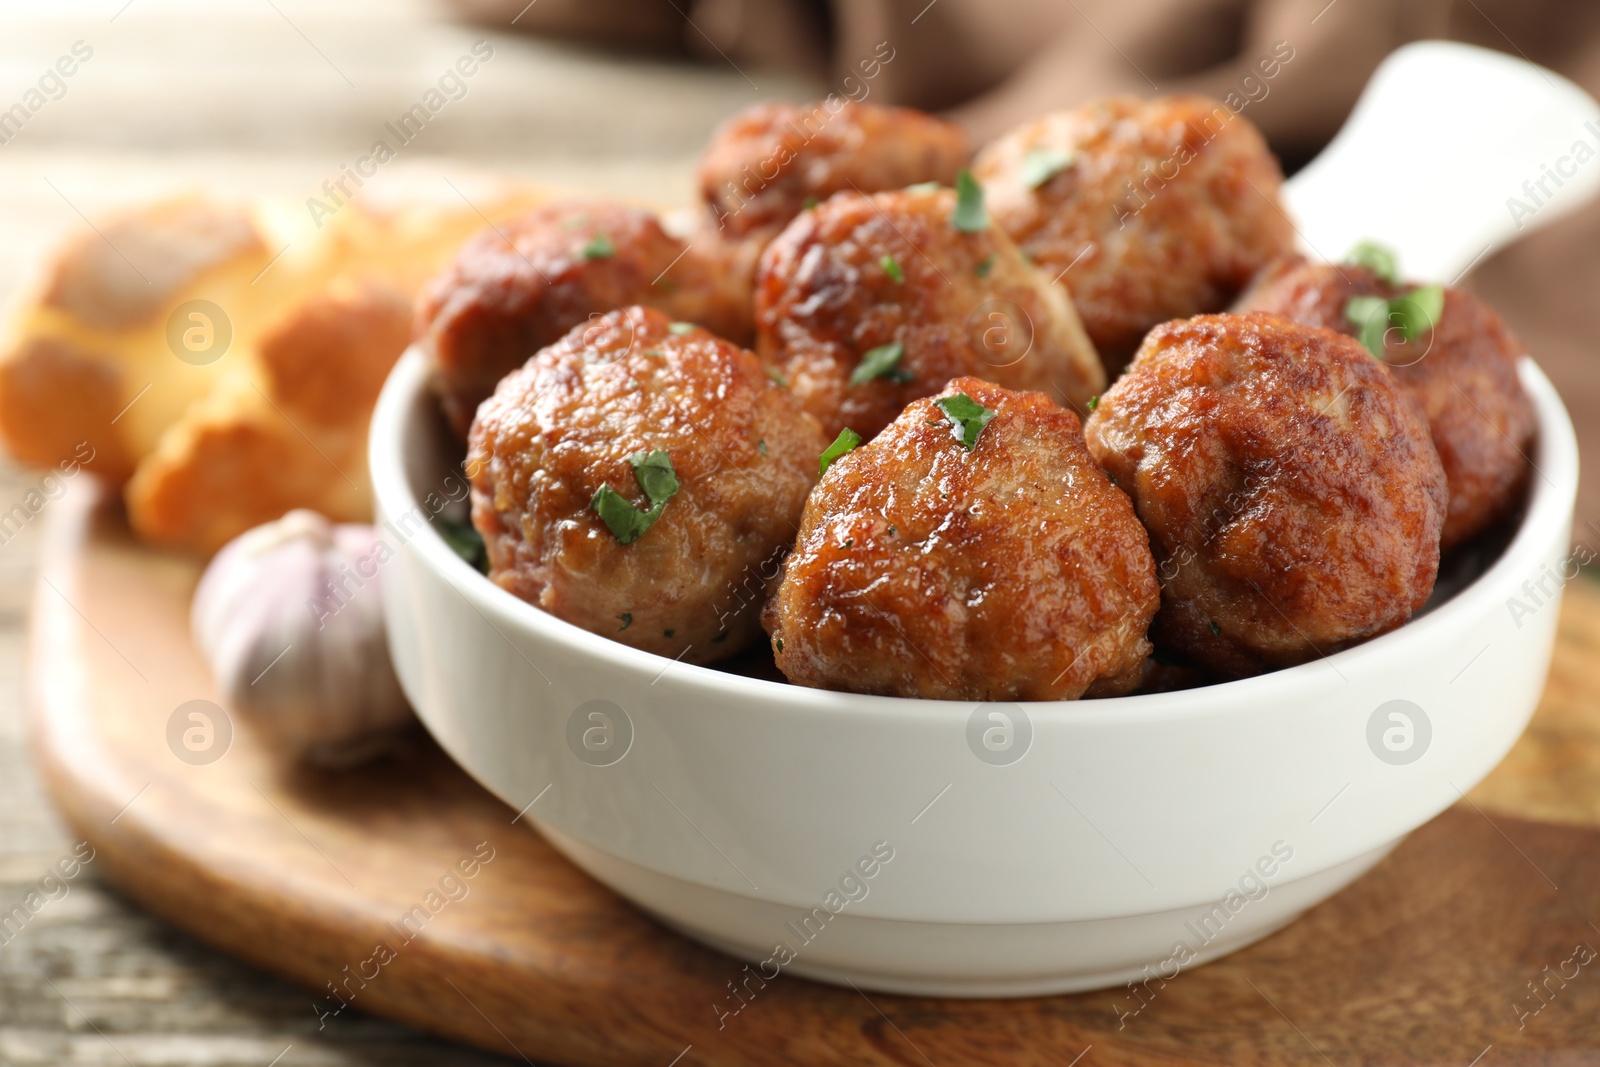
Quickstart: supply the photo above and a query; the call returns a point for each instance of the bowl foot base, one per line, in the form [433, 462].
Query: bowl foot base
[958, 959]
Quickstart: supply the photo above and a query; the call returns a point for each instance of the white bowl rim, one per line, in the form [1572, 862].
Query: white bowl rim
[1552, 490]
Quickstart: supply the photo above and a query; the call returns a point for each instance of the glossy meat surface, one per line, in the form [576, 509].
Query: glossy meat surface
[1014, 571]
[765, 163]
[1463, 374]
[1154, 210]
[514, 289]
[858, 272]
[566, 423]
[1292, 493]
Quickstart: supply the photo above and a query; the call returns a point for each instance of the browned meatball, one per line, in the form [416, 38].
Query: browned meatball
[1010, 570]
[858, 273]
[568, 462]
[518, 287]
[1161, 209]
[764, 164]
[1292, 494]
[1463, 373]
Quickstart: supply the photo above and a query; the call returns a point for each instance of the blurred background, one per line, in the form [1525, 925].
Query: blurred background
[248, 97]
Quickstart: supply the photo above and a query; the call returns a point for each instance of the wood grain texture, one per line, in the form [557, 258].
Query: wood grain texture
[1431, 959]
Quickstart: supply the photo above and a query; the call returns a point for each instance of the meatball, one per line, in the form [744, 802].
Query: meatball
[640, 478]
[1462, 373]
[1292, 494]
[1149, 210]
[764, 164]
[866, 303]
[1000, 566]
[516, 288]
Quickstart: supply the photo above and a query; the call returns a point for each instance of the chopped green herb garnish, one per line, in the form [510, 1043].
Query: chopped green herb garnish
[656, 352]
[668, 633]
[1377, 258]
[1413, 313]
[1042, 164]
[881, 362]
[923, 187]
[810, 202]
[967, 416]
[464, 540]
[969, 215]
[892, 269]
[761, 446]
[654, 473]
[844, 443]
[678, 329]
[982, 269]
[1094, 402]
[627, 620]
[891, 530]
[849, 542]
[1215, 629]
[599, 247]
[777, 377]
[779, 643]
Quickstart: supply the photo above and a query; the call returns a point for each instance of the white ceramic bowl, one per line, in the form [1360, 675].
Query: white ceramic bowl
[1103, 836]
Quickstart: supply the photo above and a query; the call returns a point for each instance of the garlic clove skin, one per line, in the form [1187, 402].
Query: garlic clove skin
[290, 617]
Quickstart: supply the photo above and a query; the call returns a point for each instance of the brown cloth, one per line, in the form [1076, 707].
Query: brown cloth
[993, 63]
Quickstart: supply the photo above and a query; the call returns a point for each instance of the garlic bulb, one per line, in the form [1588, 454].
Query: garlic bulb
[290, 617]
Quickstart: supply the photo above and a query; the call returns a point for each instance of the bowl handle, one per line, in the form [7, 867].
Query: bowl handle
[1451, 152]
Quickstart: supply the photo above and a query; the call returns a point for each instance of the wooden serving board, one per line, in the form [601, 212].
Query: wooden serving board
[1430, 959]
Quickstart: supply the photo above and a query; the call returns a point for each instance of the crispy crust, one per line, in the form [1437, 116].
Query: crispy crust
[1166, 210]
[767, 161]
[1015, 571]
[517, 288]
[289, 433]
[1292, 493]
[1464, 377]
[564, 424]
[963, 304]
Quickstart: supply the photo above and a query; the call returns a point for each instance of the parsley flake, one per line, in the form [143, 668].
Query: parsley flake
[1042, 164]
[1377, 258]
[678, 329]
[1094, 402]
[599, 247]
[967, 416]
[777, 377]
[881, 362]
[810, 203]
[761, 446]
[464, 540]
[1413, 314]
[842, 445]
[982, 269]
[627, 620]
[892, 269]
[1215, 629]
[668, 633]
[654, 473]
[923, 187]
[969, 215]
[779, 643]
